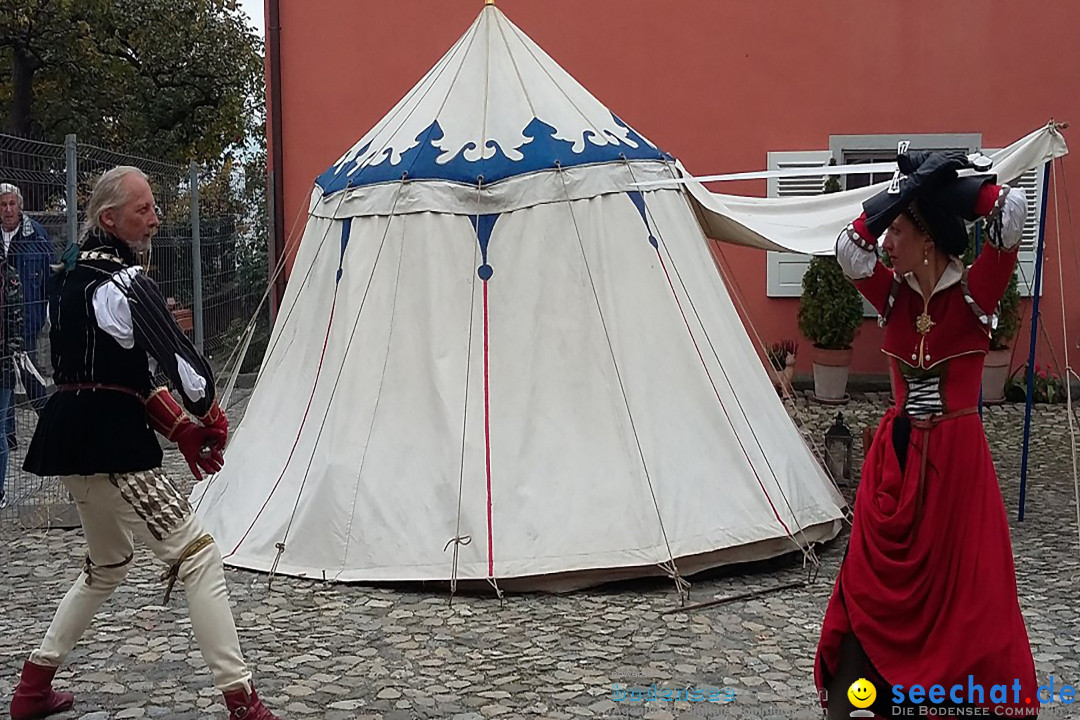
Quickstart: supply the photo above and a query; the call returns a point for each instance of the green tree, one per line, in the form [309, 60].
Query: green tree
[177, 80]
[45, 45]
[830, 308]
[830, 311]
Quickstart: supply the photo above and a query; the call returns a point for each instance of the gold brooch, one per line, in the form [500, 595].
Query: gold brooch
[923, 323]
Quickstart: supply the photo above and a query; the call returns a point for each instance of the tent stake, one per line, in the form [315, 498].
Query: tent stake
[733, 598]
[273, 568]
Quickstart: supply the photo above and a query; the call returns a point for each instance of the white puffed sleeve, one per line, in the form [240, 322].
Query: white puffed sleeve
[857, 258]
[1008, 233]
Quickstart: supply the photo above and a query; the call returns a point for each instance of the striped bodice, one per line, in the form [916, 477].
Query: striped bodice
[923, 396]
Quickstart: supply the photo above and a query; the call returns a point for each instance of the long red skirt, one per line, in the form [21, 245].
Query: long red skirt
[931, 595]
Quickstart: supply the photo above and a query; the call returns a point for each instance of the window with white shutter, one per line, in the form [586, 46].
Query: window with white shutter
[784, 271]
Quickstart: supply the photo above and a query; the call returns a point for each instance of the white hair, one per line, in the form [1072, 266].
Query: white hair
[109, 193]
[8, 188]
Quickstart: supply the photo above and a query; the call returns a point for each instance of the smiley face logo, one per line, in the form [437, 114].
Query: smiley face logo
[862, 693]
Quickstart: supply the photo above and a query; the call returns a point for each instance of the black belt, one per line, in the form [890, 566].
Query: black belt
[76, 387]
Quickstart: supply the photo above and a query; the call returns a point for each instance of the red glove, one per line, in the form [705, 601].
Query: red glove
[164, 413]
[216, 419]
[201, 446]
[869, 241]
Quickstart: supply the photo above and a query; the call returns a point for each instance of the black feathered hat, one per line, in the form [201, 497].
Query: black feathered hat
[940, 212]
[938, 204]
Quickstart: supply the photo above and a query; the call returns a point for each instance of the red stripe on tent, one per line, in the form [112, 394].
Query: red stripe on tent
[303, 421]
[487, 436]
[722, 407]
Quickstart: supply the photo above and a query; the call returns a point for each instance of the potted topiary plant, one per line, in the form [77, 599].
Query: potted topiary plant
[830, 313]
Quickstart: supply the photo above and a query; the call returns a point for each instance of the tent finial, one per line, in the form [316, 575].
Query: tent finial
[489, 2]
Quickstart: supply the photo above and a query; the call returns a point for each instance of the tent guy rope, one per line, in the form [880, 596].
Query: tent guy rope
[1068, 366]
[315, 384]
[805, 547]
[237, 356]
[979, 159]
[719, 262]
[281, 544]
[669, 566]
[459, 540]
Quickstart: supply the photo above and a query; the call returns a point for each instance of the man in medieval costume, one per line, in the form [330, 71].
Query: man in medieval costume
[111, 334]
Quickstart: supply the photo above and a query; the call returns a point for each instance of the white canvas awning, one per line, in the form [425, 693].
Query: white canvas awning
[810, 224]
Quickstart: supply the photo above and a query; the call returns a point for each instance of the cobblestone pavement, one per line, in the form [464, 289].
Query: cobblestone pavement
[336, 652]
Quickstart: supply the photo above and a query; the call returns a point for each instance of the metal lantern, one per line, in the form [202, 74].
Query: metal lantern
[838, 444]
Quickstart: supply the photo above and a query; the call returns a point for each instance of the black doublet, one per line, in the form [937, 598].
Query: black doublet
[90, 431]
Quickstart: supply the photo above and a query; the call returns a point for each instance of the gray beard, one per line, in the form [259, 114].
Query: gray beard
[140, 247]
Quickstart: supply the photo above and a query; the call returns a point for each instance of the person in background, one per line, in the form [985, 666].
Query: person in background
[27, 247]
[11, 335]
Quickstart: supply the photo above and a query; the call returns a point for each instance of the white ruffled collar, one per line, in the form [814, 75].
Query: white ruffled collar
[953, 272]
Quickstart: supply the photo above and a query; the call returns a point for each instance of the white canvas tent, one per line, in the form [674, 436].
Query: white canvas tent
[498, 360]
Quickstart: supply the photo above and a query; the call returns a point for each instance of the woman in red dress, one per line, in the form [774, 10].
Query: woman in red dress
[925, 606]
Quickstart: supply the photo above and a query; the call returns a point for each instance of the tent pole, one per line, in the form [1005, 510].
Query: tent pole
[1036, 291]
[276, 161]
[978, 249]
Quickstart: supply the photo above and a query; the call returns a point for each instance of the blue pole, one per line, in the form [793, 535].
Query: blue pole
[978, 249]
[1034, 329]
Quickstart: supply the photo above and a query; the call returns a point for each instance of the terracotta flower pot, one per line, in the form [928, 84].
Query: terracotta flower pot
[831, 369]
[184, 319]
[995, 373]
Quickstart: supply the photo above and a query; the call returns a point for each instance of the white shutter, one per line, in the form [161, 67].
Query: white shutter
[1032, 182]
[784, 271]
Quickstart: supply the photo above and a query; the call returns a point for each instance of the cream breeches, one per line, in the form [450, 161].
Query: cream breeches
[114, 510]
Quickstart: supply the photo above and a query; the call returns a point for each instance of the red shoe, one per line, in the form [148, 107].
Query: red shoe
[34, 697]
[243, 706]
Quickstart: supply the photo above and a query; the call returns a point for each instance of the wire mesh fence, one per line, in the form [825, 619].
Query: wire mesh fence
[214, 302]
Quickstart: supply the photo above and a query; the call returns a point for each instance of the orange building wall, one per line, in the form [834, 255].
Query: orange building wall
[719, 84]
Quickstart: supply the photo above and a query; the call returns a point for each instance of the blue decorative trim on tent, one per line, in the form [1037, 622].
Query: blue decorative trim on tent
[541, 151]
[639, 203]
[346, 232]
[483, 225]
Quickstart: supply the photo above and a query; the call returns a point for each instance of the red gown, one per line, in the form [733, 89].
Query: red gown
[928, 585]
